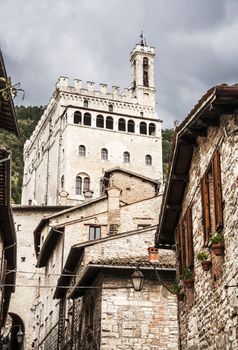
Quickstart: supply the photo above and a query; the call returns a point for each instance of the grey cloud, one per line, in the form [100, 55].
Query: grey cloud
[195, 42]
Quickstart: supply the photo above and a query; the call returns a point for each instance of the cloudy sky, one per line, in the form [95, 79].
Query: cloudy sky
[195, 41]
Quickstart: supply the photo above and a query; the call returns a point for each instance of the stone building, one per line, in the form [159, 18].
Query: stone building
[92, 179]
[94, 247]
[84, 132]
[25, 219]
[199, 215]
[7, 231]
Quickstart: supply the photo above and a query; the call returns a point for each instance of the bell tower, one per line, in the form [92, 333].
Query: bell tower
[142, 69]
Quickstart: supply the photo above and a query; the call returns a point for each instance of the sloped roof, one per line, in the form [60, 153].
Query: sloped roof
[76, 253]
[108, 172]
[215, 102]
[8, 120]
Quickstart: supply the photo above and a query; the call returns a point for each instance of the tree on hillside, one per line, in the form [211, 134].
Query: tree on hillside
[167, 142]
[27, 119]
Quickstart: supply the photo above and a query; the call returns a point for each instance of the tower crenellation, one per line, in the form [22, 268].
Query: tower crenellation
[88, 128]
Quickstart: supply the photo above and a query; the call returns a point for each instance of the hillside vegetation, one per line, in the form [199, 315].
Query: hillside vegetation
[27, 119]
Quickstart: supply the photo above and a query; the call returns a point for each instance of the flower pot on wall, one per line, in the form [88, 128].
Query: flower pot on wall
[206, 264]
[188, 283]
[218, 248]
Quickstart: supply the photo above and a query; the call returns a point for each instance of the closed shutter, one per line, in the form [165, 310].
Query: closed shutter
[216, 173]
[180, 244]
[190, 252]
[205, 208]
[182, 247]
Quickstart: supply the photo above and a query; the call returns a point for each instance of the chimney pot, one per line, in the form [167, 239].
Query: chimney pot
[153, 254]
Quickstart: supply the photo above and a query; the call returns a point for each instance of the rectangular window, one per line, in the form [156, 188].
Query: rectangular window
[140, 226]
[185, 242]
[211, 195]
[94, 232]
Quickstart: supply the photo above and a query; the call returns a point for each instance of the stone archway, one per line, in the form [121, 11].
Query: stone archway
[15, 325]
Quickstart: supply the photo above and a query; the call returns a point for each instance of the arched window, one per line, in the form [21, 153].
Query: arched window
[85, 103]
[143, 128]
[100, 121]
[86, 184]
[122, 124]
[126, 157]
[87, 119]
[131, 126]
[110, 108]
[82, 151]
[104, 154]
[78, 185]
[82, 183]
[109, 123]
[148, 159]
[152, 129]
[62, 182]
[77, 117]
[145, 71]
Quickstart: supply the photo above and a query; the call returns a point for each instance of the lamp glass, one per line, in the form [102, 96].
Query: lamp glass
[137, 279]
[20, 336]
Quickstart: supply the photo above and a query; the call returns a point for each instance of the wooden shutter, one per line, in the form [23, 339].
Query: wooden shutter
[189, 238]
[182, 256]
[205, 208]
[216, 173]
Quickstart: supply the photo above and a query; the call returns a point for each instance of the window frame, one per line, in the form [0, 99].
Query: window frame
[126, 157]
[93, 232]
[78, 185]
[82, 151]
[185, 242]
[104, 154]
[211, 198]
[148, 160]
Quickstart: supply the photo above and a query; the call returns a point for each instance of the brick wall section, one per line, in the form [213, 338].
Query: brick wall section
[138, 320]
[208, 315]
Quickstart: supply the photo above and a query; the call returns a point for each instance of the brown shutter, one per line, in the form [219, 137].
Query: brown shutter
[189, 229]
[180, 246]
[205, 208]
[216, 173]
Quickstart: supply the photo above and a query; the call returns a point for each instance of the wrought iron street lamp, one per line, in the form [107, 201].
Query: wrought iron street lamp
[19, 335]
[137, 279]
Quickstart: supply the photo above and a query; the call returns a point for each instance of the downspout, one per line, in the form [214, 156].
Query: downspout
[59, 162]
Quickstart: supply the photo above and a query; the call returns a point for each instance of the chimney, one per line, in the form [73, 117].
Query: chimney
[153, 254]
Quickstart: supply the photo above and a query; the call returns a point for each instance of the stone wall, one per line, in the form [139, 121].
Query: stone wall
[132, 320]
[25, 299]
[208, 314]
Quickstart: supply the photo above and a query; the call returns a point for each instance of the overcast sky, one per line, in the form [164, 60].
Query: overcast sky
[195, 40]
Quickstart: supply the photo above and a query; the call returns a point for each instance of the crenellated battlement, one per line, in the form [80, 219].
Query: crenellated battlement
[89, 89]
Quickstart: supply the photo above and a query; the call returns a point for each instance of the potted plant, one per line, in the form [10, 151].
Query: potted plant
[188, 278]
[176, 289]
[217, 244]
[205, 261]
